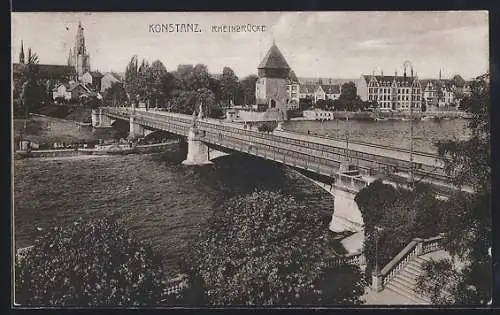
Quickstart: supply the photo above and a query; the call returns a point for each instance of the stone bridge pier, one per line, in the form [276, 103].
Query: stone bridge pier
[100, 120]
[346, 214]
[198, 153]
[136, 130]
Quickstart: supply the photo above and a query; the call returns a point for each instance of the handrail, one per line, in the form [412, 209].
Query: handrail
[397, 259]
[416, 247]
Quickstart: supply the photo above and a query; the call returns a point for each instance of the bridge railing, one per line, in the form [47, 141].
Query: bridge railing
[416, 247]
[370, 161]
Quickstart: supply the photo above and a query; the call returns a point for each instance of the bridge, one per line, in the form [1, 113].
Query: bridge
[342, 169]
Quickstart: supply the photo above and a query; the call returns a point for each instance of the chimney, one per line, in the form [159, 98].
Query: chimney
[412, 72]
[439, 74]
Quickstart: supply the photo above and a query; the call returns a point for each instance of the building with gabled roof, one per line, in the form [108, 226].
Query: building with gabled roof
[391, 92]
[307, 90]
[109, 79]
[327, 91]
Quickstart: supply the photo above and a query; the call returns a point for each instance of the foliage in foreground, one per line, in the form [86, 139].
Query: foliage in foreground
[400, 215]
[266, 249]
[97, 263]
[468, 216]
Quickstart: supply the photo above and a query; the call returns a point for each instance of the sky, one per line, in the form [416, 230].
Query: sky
[315, 44]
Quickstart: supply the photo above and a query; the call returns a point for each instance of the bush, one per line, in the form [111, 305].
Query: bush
[438, 281]
[97, 263]
[265, 248]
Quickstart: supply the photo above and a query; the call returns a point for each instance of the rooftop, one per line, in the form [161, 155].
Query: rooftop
[274, 59]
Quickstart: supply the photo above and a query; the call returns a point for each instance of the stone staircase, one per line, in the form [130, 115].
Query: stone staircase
[404, 282]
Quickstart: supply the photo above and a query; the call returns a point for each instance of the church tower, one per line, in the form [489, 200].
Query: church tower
[79, 58]
[21, 54]
[271, 86]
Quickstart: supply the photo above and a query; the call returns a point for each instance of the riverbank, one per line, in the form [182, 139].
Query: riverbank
[76, 152]
[394, 115]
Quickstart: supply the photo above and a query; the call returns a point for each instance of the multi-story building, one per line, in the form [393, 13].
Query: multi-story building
[293, 90]
[391, 92]
[307, 90]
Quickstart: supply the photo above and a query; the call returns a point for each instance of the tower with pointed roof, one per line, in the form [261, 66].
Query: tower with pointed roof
[273, 79]
[21, 54]
[78, 57]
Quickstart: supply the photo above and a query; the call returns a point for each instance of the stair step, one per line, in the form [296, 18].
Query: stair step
[411, 272]
[408, 282]
[406, 292]
[416, 269]
[421, 259]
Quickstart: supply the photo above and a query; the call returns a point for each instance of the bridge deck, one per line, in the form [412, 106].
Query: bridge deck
[320, 154]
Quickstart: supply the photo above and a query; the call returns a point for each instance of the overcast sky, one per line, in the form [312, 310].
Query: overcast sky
[315, 44]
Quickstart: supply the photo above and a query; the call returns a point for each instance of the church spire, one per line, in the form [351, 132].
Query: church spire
[80, 40]
[69, 58]
[21, 54]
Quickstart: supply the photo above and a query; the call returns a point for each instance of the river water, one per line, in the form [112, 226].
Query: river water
[159, 199]
[390, 133]
[162, 201]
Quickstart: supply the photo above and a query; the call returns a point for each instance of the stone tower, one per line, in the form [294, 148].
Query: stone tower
[21, 54]
[78, 57]
[271, 86]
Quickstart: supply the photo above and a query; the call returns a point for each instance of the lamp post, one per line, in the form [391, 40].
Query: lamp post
[377, 230]
[376, 277]
[410, 173]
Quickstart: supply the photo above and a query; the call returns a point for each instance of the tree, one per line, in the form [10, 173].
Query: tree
[307, 102]
[400, 214]
[438, 281]
[229, 86]
[169, 88]
[131, 82]
[95, 263]
[114, 95]
[32, 91]
[348, 92]
[215, 87]
[467, 217]
[267, 249]
[458, 81]
[157, 75]
[348, 99]
[199, 78]
[145, 81]
[248, 86]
